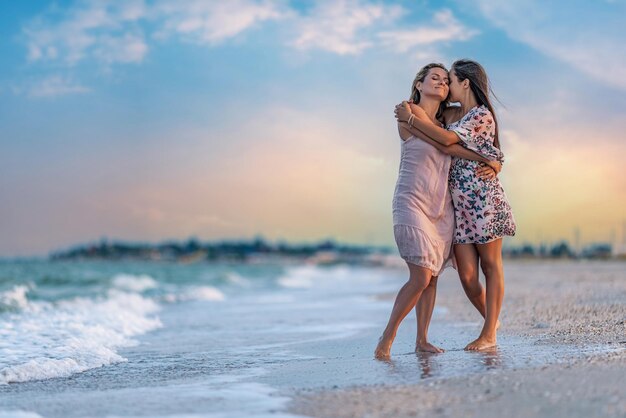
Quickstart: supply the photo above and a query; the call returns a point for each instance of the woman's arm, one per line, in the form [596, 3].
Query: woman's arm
[456, 150]
[403, 131]
[421, 121]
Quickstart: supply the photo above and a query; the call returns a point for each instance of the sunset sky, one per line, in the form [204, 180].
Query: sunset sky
[164, 119]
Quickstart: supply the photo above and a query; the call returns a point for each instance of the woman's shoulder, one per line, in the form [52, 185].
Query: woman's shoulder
[477, 118]
[481, 113]
[481, 120]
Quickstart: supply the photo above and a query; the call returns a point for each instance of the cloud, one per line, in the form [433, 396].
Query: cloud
[116, 31]
[112, 31]
[335, 26]
[580, 35]
[212, 22]
[445, 28]
[106, 30]
[127, 48]
[54, 86]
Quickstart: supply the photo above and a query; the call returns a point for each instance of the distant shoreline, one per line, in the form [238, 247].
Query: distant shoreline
[259, 250]
[322, 252]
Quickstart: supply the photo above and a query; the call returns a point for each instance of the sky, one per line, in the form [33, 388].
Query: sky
[149, 120]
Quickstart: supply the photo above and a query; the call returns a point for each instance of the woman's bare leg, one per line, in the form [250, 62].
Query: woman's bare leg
[424, 311]
[491, 264]
[467, 267]
[419, 278]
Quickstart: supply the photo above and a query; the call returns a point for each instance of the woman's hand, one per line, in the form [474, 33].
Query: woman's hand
[402, 112]
[489, 171]
[495, 165]
[486, 172]
[420, 113]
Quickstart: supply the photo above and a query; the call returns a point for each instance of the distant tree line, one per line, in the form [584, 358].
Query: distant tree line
[245, 250]
[240, 250]
[559, 250]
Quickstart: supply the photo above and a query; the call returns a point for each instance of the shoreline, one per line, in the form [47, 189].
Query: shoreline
[585, 388]
[583, 306]
[303, 338]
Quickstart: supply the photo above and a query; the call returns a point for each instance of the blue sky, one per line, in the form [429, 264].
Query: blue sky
[150, 120]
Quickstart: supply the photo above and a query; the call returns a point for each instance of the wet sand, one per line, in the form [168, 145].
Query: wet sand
[555, 306]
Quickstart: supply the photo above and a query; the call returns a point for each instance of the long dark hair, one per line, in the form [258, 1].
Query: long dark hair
[479, 83]
[421, 76]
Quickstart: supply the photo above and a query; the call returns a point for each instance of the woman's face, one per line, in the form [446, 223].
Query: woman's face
[435, 84]
[456, 89]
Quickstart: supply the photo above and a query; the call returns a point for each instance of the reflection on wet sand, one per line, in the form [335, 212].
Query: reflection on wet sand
[512, 352]
[431, 364]
[425, 362]
[491, 358]
[452, 362]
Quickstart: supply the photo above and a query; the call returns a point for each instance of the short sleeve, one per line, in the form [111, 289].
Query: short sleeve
[477, 132]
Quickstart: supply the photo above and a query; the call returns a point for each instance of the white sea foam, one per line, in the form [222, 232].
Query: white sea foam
[19, 414]
[295, 282]
[298, 277]
[135, 283]
[207, 293]
[47, 340]
[237, 279]
[304, 277]
[14, 298]
[336, 278]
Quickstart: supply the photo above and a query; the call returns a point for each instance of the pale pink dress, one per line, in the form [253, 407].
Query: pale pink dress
[423, 215]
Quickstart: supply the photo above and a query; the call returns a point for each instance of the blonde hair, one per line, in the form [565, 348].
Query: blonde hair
[420, 77]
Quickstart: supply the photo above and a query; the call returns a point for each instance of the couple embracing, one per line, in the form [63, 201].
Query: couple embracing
[449, 207]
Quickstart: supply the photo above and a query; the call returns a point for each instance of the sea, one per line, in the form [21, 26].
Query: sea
[164, 339]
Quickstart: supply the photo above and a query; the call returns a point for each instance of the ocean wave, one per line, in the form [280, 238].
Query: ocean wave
[304, 277]
[237, 279]
[298, 277]
[47, 340]
[19, 414]
[14, 298]
[206, 293]
[134, 283]
[324, 278]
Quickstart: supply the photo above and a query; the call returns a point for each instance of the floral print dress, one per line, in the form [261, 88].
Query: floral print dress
[481, 210]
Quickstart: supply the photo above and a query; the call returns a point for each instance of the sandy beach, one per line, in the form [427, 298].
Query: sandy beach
[107, 339]
[571, 305]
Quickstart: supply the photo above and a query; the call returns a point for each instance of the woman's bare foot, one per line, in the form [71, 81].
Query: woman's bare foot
[427, 347]
[481, 343]
[383, 349]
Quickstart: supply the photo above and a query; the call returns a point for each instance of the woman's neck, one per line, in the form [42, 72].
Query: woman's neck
[430, 106]
[468, 102]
